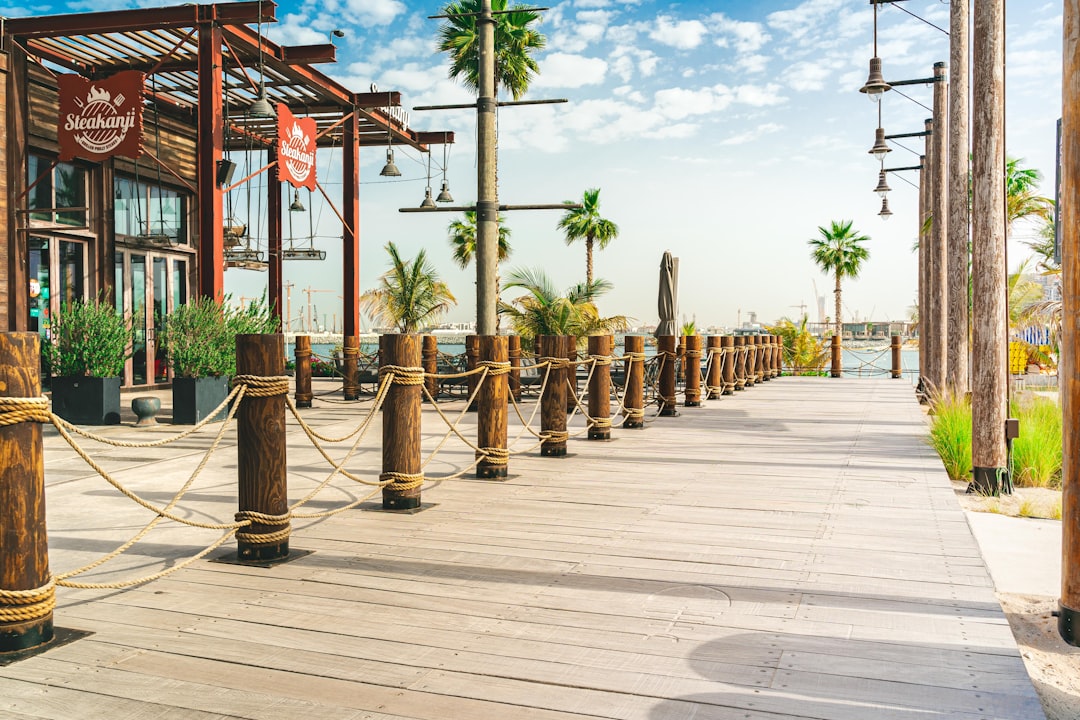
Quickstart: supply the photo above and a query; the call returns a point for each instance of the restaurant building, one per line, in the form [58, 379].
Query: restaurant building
[124, 137]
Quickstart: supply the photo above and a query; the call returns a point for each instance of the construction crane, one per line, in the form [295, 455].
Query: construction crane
[310, 291]
[802, 309]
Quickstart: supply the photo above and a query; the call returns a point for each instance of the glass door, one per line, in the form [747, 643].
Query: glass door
[148, 286]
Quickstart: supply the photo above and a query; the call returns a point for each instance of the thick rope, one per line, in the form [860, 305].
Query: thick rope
[256, 518]
[19, 410]
[25, 605]
[495, 367]
[263, 386]
[401, 482]
[494, 455]
[403, 375]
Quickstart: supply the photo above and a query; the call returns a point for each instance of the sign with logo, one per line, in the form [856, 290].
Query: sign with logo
[101, 118]
[296, 148]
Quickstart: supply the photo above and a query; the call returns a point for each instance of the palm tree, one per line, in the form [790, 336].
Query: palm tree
[839, 251]
[585, 223]
[542, 310]
[515, 42]
[1021, 199]
[410, 294]
[463, 239]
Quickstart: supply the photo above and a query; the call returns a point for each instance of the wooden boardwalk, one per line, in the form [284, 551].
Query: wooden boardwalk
[792, 551]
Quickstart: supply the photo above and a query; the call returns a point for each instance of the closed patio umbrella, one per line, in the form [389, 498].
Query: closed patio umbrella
[667, 298]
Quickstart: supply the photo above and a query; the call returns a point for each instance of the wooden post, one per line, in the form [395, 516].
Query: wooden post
[514, 347]
[431, 365]
[959, 217]
[835, 351]
[493, 411]
[25, 622]
[302, 353]
[937, 267]
[990, 347]
[1069, 606]
[571, 375]
[763, 356]
[740, 361]
[727, 344]
[680, 364]
[897, 369]
[472, 356]
[400, 354]
[260, 452]
[351, 349]
[634, 392]
[714, 383]
[600, 387]
[666, 350]
[553, 400]
[692, 365]
[751, 360]
[777, 355]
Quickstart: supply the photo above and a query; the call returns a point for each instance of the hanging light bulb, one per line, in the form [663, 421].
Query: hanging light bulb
[444, 194]
[881, 148]
[875, 85]
[296, 205]
[885, 213]
[882, 188]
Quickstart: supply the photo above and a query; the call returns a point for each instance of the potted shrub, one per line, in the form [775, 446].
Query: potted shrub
[200, 343]
[86, 348]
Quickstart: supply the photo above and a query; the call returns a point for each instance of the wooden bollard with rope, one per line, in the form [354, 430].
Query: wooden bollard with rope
[727, 376]
[514, 349]
[492, 403]
[751, 361]
[600, 387]
[260, 449]
[778, 356]
[351, 350]
[692, 370]
[472, 356]
[835, 352]
[302, 371]
[27, 592]
[895, 346]
[571, 353]
[666, 349]
[401, 463]
[634, 391]
[431, 366]
[553, 349]
[714, 364]
[740, 361]
[763, 358]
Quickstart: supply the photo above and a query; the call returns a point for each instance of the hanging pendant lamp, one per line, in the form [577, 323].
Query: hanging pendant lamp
[296, 205]
[885, 213]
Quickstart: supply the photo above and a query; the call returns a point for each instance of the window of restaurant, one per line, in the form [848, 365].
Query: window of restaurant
[150, 212]
[58, 196]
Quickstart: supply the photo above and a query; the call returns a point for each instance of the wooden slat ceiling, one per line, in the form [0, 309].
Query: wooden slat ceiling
[159, 41]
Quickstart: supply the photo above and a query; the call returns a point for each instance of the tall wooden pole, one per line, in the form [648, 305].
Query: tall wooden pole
[261, 463]
[401, 462]
[492, 409]
[927, 315]
[634, 398]
[600, 387]
[959, 230]
[939, 210]
[487, 198]
[1069, 370]
[924, 191]
[989, 362]
[24, 547]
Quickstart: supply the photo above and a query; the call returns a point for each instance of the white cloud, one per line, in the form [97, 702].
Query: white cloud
[401, 48]
[759, 95]
[682, 35]
[752, 134]
[562, 70]
[375, 12]
[680, 103]
[805, 76]
[805, 17]
[747, 37]
[752, 63]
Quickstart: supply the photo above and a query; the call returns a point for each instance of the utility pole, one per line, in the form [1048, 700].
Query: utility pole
[1069, 608]
[957, 379]
[939, 211]
[926, 316]
[487, 199]
[990, 325]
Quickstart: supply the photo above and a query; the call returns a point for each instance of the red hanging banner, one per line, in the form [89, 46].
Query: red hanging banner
[102, 118]
[296, 148]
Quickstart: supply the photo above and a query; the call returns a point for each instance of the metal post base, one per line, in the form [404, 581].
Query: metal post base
[1068, 624]
[989, 480]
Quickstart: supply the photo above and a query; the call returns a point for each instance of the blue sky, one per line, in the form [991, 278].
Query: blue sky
[725, 132]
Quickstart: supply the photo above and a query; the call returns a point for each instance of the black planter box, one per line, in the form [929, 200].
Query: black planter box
[87, 400]
[195, 398]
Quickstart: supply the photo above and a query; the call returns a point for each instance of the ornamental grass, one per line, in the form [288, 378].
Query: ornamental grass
[1037, 452]
[950, 433]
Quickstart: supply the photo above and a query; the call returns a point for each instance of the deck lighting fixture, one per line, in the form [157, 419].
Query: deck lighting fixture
[875, 85]
[428, 201]
[881, 148]
[444, 194]
[296, 205]
[882, 188]
[389, 169]
[885, 213]
[261, 108]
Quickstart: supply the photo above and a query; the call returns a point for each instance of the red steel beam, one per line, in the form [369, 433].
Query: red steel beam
[110, 21]
[350, 207]
[211, 257]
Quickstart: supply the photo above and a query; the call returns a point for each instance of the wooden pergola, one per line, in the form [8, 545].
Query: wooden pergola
[208, 66]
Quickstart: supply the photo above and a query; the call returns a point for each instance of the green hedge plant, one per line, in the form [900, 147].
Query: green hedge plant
[88, 339]
[200, 336]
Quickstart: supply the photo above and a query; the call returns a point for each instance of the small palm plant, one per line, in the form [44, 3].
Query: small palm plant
[542, 310]
[410, 295]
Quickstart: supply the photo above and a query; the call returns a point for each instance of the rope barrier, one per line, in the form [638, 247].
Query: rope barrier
[18, 410]
[25, 605]
[401, 481]
[263, 385]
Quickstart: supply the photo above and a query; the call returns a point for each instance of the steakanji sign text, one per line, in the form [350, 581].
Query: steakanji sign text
[100, 119]
[296, 148]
